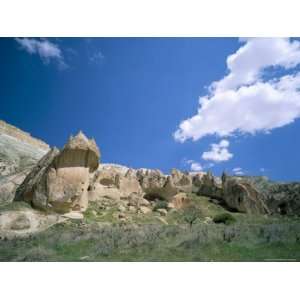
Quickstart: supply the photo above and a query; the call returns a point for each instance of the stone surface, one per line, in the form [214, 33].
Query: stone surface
[145, 210]
[61, 179]
[280, 198]
[242, 196]
[66, 180]
[209, 187]
[18, 223]
[179, 201]
[74, 215]
[19, 152]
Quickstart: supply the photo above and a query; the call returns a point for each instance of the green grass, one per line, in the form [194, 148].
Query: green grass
[102, 236]
[77, 241]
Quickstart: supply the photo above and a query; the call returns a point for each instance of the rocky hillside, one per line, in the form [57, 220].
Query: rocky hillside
[69, 180]
[110, 209]
[19, 152]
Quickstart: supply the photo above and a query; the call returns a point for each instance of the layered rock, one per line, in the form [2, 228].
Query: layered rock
[22, 136]
[19, 152]
[60, 181]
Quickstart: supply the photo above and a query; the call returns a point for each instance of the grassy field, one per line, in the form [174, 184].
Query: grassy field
[74, 241]
[101, 236]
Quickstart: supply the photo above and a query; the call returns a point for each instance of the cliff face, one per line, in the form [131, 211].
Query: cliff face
[19, 152]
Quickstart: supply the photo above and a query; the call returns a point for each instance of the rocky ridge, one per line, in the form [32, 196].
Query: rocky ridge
[63, 183]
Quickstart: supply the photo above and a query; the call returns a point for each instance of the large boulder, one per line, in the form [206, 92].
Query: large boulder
[60, 181]
[242, 196]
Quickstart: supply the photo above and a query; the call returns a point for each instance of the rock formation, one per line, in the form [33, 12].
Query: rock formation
[19, 153]
[242, 196]
[22, 136]
[60, 181]
[114, 184]
[66, 180]
[156, 185]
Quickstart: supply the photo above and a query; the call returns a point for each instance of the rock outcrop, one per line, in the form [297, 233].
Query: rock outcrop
[209, 187]
[179, 201]
[19, 153]
[66, 180]
[22, 136]
[156, 185]
[242, 196]
[235, 193]
[280, 198]
[114, 183]
[61, 179]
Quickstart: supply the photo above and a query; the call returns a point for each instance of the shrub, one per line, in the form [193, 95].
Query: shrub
[161, 204]
[191, 214]
[224, 218]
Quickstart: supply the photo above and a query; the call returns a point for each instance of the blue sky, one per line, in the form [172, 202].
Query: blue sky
[139, 98]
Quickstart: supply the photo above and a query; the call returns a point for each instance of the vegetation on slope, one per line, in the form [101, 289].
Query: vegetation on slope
[102, 236]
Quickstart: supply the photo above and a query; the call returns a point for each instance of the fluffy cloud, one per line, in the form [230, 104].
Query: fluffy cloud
[238, 171]
[46, 50]
[243, 101]
[219, 152]
[195, 166]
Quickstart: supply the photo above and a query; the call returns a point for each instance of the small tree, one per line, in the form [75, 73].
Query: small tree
[191, 214]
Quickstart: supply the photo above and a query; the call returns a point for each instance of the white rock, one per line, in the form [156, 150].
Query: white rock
[145, 209]
[74, 215]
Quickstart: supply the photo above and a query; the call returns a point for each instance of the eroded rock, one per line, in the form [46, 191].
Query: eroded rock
[61, 179]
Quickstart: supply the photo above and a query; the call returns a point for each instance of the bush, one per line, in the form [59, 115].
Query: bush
[224, 218]
[161, 204]
[191, 214]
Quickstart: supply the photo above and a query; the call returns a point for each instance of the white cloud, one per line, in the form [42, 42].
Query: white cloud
[243, 102]
[196, 167]
[262, 170]
[46, 50]
[238, 171]
[219, 152]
